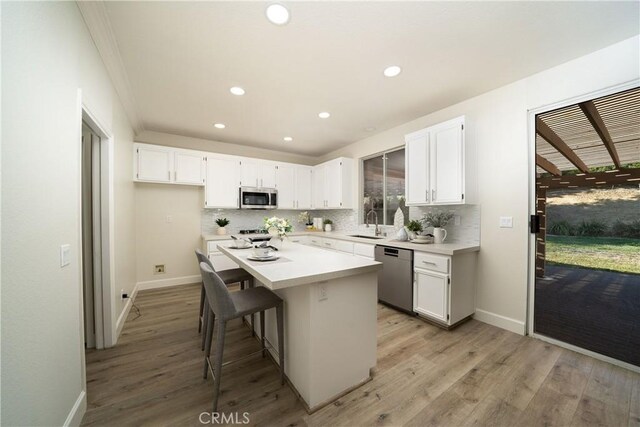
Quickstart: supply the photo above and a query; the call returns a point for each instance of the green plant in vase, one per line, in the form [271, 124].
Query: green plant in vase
[328, 225]
[415, 228]
[222, 223]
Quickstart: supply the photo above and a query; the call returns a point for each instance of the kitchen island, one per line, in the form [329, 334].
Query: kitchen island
[330, 319]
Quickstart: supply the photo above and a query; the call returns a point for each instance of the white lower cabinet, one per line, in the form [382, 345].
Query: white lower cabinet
[364, 250]
[303, 240]
[219, 260]
[444, 286]
[430, 294]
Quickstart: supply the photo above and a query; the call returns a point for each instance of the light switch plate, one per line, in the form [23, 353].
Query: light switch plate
[506, 222]
[456, 220]
[65, 255]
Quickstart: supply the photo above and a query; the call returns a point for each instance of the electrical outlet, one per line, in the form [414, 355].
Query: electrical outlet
[159, 269]
[169, 219]
[322, 292]
[456, 220]
[65, 255]
[506, 222]
[123, 295]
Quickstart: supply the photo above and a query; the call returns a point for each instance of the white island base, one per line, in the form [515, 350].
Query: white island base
[330, 343]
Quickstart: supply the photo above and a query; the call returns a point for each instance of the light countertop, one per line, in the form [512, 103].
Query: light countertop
[442, 249]
[301, 265]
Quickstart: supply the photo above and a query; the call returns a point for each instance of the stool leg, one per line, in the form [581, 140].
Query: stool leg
[200, 319]
[253, 319]
[208, 332]
[280, 321]
[205, 320]
[264, 353]
[217, 368]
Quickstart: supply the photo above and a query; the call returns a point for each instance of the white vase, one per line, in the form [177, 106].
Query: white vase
[439, 235]
[327, 227]
[398, 219]
[221, 231]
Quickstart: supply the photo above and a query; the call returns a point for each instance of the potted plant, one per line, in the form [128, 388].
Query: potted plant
[437, 220]
[327, 225]
[305, 218]
[414, 228]
[222, 223]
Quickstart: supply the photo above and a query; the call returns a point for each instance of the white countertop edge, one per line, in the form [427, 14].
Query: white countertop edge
[301, 280]
[442, 249]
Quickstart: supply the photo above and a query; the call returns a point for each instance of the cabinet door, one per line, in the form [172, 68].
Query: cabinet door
[221, 188]
[416, 168]
[249, 173]
[447, 163]
[303, 187]
[286, 186]
[267, 177]
[431, 294]
[154, 164]
[188, 168]
[319, 200]
[333, 184]
[221, 262]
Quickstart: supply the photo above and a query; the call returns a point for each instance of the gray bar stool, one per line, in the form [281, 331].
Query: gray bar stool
[226, 306]
[233, 275]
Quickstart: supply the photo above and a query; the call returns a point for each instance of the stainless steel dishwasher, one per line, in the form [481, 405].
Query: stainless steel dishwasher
[395, 280]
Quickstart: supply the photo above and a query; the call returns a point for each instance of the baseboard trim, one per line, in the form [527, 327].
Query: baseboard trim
[125, 312]
[163, 283]
[77, 411]
[513, 325]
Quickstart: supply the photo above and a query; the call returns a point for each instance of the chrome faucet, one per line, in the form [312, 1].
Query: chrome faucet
[375, 215]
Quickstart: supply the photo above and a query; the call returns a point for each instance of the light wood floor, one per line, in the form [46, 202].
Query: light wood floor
[474, 375]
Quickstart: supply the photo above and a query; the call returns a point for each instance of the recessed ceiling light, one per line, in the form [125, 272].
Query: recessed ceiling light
[392, 71]
[324, 115]
[277, 14]
[369, 129]
[236, 90]
[219, 125]
[288, 138]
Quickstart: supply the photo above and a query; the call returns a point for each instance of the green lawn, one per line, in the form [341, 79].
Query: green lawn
[602, 253]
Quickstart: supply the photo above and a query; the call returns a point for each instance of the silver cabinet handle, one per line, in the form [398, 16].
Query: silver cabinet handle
[169, 175]
[433, 195]
[429, 262]
[426, 195]
[175, 175]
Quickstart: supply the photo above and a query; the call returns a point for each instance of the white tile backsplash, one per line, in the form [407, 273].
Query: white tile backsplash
[346, 220]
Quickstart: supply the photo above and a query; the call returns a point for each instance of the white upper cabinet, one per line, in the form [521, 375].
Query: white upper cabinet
[286, 186]
[332, 186]
[188, 168]
[417, 167]
[304, 184]
[318, 194]
[440, 167]
[153, 163]
[447, 173]
[257, 173]
[223, 179]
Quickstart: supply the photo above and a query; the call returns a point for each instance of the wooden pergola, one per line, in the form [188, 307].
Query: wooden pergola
[572, 141]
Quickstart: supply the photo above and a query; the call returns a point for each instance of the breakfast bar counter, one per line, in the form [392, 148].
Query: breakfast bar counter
[330, 319]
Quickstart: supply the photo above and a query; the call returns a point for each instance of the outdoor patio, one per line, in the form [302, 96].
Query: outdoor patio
[593, 309]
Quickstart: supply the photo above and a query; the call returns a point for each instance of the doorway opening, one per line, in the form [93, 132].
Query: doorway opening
[95, 234]
[586, 289]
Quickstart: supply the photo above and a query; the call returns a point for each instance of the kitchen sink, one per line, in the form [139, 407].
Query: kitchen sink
[361, 236]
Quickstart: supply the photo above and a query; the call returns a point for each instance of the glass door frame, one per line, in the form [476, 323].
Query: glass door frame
[531, 273]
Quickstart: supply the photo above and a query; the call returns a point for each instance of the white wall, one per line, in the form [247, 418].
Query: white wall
[497, 123]
[172, 244]
[47, 55]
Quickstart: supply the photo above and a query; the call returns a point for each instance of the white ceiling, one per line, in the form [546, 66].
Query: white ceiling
[181, 58]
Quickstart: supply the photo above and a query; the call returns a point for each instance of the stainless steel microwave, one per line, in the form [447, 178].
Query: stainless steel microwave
[258, 198]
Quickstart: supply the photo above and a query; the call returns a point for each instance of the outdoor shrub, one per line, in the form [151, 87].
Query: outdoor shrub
[561, 228]
[591, 228]
[626, 229]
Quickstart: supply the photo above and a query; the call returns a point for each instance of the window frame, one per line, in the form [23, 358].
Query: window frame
[382, 221]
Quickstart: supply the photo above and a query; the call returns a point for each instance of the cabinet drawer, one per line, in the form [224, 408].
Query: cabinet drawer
[303, 240]
[212, 245]
[343, 246]
[364, 250]
[315, 241]
[431, 262]
[329, 243]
